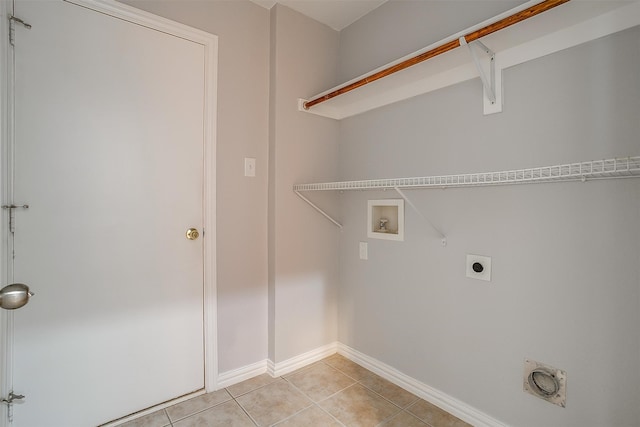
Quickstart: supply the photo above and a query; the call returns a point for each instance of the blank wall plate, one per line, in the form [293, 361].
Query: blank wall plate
[364, 250]
[479, 267]
[249, 166]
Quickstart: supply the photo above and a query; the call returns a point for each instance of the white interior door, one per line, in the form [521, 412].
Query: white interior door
[109, 129]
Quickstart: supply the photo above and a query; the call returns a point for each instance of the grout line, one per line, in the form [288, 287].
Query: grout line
[330, 414]
[198, 411]
[245, 411]
[359, 382]
[350, 376]
[389, 400]
[317, 404]
[252, 390]
[293, 415]
[370, 389]
[166, 414]
[322, 400]
[417, 417]
[313, 403]
[345, 374]
[333, 394]
[381, 424]
[337, 392]
[299, 370]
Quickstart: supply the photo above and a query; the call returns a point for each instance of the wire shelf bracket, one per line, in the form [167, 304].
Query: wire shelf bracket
[443, 238]
[323, 213]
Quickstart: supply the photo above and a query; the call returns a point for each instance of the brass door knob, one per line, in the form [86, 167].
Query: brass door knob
[192, 234]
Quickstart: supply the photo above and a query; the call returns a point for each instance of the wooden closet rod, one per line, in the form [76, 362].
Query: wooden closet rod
[475, 35]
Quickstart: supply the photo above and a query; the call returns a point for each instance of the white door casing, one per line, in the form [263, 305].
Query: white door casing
[107, 321]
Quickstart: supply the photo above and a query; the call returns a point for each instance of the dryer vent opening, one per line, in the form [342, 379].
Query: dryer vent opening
[546, 382]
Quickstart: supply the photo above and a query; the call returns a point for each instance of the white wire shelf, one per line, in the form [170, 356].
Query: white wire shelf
[625, 167]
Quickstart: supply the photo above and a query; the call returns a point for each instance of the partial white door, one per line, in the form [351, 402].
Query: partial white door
[109, 158]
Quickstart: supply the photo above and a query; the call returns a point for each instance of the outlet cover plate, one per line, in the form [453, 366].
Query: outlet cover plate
[485, 261]
[364, 250]
[249, 166]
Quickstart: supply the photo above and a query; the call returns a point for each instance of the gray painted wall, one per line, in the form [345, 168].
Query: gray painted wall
[243, 118]
[566, 256]
[277, 260]
[303, 148]
[401, 27]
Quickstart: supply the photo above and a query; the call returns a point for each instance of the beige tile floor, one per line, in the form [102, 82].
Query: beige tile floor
[332, 392]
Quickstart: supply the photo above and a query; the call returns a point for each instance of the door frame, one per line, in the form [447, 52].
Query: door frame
[6, 94]
[139, 17]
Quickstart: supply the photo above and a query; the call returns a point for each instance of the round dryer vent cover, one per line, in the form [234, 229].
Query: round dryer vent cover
[546, 382]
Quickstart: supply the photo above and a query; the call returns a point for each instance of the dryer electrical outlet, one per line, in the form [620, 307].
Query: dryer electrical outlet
[479, 267]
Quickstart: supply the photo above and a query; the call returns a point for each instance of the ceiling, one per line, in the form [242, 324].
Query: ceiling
[337, 14]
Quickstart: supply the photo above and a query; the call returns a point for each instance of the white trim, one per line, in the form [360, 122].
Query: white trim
[373, 213]
[450, 404]
[210, 197]
[235, 376]
[146, 19]
[5, 95]
[302, 360]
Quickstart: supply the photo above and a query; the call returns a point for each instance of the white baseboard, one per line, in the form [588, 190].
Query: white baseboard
[235, 376]
[450, 404]
[297, 362]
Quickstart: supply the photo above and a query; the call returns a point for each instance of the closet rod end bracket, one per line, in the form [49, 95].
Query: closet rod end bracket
[302, 105]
